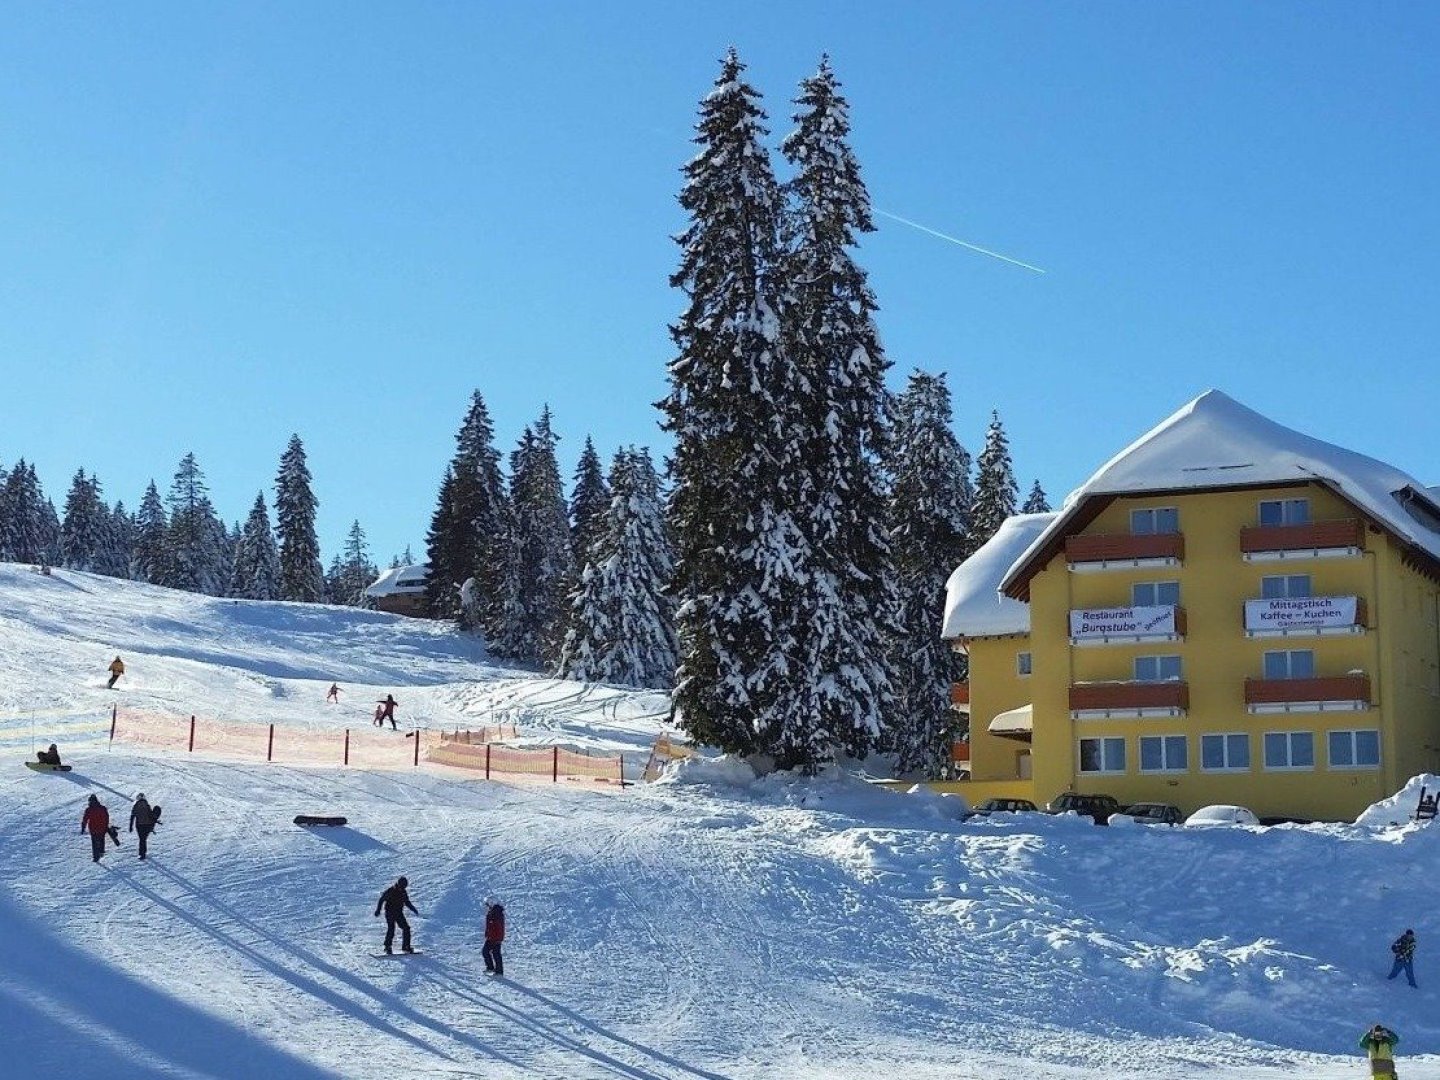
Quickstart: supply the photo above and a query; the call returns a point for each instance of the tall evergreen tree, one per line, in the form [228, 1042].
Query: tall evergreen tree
[152, 529]
[996, 492]
[86, 525]
[196, 559]
[929, 528]
[740, 548]
[257, 560]
[25, 526]
[301, 576]
[357, 571]
[840, 416]
[466, 538]
[589, 502]
[622, 628]
[1036, 502]
[118, 548]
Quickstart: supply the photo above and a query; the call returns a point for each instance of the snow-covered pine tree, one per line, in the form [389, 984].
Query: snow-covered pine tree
[152, 531]
[741, 555]
[49, 531]
[84, 529]
[1036, 502]
[357, 571]
[466, 538]
[196, 558]
[589, 502]
[333, 585]
[119, 545]
[622, 628]
[929, 518]
[996, 492]
[25, 532]
[841, 419]
[301, 577]
[257, 560]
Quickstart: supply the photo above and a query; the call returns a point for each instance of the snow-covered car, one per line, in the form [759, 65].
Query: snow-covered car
[1152, 813]
[1098, 807]
[1222, 815]
[1004, 806]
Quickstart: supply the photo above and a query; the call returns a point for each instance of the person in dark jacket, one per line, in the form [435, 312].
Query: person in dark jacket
[117, 668]
[48, 757]
[142, 820]
[386, 711]
[1379, 1046]
[395, 900]
[1403, 949]
[494, 935]
[332, 696]
[96, 821]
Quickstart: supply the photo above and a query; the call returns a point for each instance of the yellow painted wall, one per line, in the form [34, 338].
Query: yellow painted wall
[1401, 654]
[995, 687]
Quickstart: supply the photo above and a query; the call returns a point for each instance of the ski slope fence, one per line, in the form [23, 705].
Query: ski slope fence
[475, 751]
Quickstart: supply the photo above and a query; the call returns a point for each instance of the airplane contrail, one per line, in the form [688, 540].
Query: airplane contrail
[955, 240]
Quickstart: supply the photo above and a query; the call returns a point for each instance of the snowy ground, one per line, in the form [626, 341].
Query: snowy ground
[708, 926]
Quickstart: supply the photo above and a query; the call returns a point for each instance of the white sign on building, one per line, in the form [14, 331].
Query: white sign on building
[1300, 613]
[1094, 623]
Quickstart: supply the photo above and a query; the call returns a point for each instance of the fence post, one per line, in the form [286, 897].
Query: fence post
[192, 735]
[417, 748]
[270, 746]
[555, 768]
[487, 761]
[347, 746]
[114, 715]
[622, 770]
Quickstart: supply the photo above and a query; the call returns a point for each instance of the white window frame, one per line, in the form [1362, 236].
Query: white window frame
[1288, 515]
[1151, 514]
[1356, 765]
[1024, 664]
[1289, 663]
[1165, 766]
[1225, 737]
[1102, 771]
[1179, 675]
[1287, 587]
[1155, 600]
[1290, 736]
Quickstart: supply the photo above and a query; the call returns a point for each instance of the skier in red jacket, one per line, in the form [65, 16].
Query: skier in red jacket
[494, 935]
[96, 821]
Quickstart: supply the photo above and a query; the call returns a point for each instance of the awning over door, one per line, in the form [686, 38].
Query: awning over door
[1014, 723]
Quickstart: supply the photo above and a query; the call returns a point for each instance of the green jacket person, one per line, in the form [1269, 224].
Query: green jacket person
[1379, 1044]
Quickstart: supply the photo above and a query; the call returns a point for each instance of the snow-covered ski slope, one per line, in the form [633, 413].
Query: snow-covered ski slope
[707, 926]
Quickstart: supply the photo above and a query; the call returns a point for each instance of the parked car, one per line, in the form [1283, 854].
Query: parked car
[1003, 806]
[1154, 813]
[1222, 815]
[1099, 807]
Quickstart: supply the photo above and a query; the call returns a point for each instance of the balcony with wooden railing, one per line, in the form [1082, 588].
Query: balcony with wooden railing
[1100, 699]
[1321, 693]
[1314, 539]
[1124, 549]
[959, 695]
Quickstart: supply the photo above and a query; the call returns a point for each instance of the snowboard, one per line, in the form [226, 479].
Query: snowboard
[396, 955]
[311, 819]
[46, 768]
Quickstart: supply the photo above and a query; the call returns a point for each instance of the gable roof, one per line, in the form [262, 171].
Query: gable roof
[1215, 442]
[399, 581]
[974, 606]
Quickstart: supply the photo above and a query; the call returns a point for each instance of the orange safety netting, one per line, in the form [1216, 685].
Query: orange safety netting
[553, 763]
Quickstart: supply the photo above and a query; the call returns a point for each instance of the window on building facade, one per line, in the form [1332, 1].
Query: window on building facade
[1225, 753]
[1155, 594]
[1354, 749]
[1164, 753]
[1102, 755]
[1285, 586]
[1022, 663]
[1289, 750]
[1285, 512]
[1157, 668]
[1290, 664]
[1164, 519]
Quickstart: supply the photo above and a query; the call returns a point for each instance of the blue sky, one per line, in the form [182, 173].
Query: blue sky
[223, 224]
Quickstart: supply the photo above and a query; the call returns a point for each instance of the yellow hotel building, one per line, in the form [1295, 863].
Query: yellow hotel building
[1228, 611]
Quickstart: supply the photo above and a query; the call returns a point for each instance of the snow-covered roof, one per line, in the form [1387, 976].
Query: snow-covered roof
[399, 581]
[974, 606]
[1214, 441]
[1013, 721]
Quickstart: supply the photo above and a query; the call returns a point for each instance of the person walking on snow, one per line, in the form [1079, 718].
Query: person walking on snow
[333, 697]
[96, 821]
[1404, 950]
[142, 820]
[117, 668]
[395, 900]
[1379, 1045]
[494, 935]
[386, 711]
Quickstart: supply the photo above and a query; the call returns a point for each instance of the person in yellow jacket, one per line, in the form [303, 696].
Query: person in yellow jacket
[117, 668]
[1379, 1044]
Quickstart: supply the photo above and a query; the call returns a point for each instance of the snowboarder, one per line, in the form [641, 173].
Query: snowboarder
[395, 900]
[494, 935]
[96, 821]
[333, 697]
[48, 757]
[1379, 1045]
[117, 668]
[142, 820]
[386, 711]
[1404, 951]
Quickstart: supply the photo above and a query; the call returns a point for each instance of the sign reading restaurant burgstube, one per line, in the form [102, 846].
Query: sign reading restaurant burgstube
[1092, 624]
[1301, 613]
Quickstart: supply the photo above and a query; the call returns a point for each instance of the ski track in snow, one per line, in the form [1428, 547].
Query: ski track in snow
[689, 930]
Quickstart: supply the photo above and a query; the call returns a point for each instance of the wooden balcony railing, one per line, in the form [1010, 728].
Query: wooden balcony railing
[959, 693]
[1117, 547]
[1320, 688]
[1117, 696]
[1314, 536]
[960, 752]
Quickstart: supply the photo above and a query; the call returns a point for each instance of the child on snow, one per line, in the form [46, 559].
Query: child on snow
[1379, 1045]
[494, 935]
